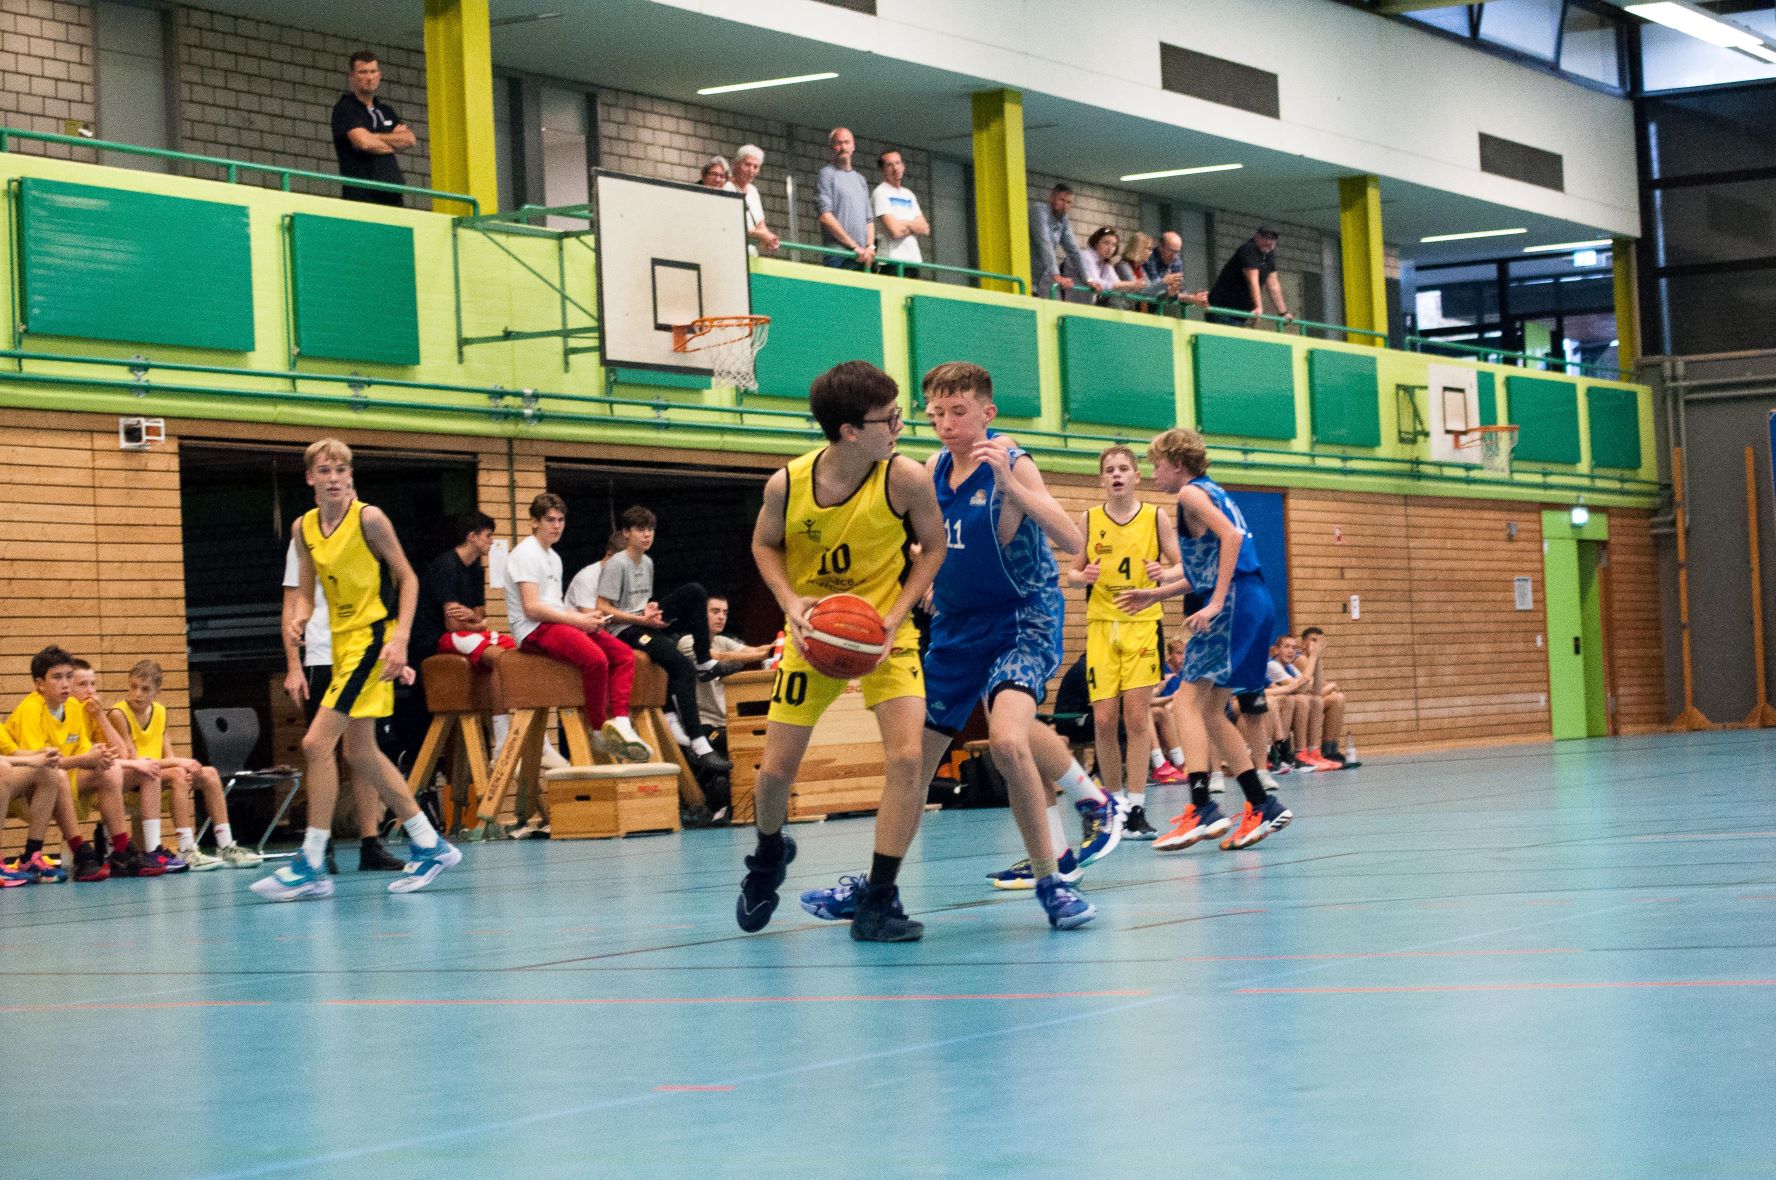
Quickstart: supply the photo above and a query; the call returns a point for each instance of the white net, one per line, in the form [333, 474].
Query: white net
[732, 345]
[1495, 443]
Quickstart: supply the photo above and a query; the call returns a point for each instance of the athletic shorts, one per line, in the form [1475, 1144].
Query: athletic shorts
[974, 655]
[357, 688]
[1120, 654]
[1235, 649]
[800, 695]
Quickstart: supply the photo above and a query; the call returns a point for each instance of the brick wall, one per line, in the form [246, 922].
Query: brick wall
[46, 67]
[252, 90]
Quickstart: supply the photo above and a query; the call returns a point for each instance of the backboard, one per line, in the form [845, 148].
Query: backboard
[1452, 403]
[667, 254]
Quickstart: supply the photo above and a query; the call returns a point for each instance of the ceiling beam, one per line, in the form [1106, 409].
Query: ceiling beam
[1396, 7]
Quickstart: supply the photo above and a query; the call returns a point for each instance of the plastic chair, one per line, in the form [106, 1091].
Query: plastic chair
[229, 736]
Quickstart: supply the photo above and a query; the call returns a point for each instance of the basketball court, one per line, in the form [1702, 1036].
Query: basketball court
[1548, 958]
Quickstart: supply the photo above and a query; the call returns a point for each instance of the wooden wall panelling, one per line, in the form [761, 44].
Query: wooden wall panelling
[1631, 624]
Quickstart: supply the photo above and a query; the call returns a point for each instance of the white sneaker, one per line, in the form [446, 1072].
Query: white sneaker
[1217, 782]
[239, 856]
[198, 861]
[619, 733]
[526, 830]
[1268, 780]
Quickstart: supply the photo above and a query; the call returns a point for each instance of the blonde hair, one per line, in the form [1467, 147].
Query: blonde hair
[147, 670]
[1139, 246]
[326, 448]
[1118, 449]
[1181, 448]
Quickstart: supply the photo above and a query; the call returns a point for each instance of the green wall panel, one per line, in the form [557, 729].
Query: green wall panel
[1001, 340]
[1547, 416]
[1615, 426]
[1115, 374]
[814, 326]
[659, 378]
[1244, 387]
[1344, 393]
[1487, 396]
[356, 298]
[110, 264]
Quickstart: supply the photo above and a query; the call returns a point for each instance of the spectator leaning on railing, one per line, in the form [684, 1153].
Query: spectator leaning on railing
[1051, 238]
[1168, 258]
[715, 173]
[367, 134]
[747, 162]
[897, 208]
[1237, 288]
[844, 201]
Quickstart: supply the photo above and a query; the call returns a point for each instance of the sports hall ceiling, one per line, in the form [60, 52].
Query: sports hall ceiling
[671, 52]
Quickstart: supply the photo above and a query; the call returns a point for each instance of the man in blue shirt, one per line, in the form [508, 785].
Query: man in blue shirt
[1051, 237]
[843, 197]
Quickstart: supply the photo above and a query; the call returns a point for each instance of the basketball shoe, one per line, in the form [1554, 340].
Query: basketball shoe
[880, 918]
[1166, 775]
[425, 865]
[758, 888]
[1258, 822]
[1065, 906]
[1195, 825]
[294, 881]
[839, 903]
[1103, 824]
[1018, 876]
[1135, 826]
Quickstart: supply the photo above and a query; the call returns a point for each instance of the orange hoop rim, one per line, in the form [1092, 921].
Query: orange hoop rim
[1479, 434]
[691, 337]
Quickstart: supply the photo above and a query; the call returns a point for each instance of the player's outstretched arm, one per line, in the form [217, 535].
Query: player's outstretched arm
[1023, 486]
[768, 554]
[379, 534]
[908, 484]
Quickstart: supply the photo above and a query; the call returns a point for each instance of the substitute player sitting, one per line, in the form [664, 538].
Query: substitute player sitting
[1127, 545]
[838, 520]
[347, 544]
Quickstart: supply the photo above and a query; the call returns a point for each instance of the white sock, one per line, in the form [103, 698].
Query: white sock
[502, 725]
[224, 835]
[150, 834]
[1057, 833]
[1155, 759]
[677, 730]
[1175, 756]
[701, 746]
[1079, 788]
[1122, 796]
[1135, 799]
[314, 846]
[187, 838]
[421, 831]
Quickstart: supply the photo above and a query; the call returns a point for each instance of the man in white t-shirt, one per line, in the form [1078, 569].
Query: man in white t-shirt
[747, 162]
[582, 592]
[895, 206]
[306, 674]
[544, 625]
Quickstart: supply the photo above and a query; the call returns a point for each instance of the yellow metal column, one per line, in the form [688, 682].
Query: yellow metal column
[459, 102]
[1627, 305]
[1365, 266]
[1001, 192]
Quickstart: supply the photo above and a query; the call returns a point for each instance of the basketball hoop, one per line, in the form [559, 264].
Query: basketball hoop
[732, 341]
[1495, 442]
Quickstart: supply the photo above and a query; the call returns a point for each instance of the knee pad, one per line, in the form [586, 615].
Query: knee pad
[1253, 704]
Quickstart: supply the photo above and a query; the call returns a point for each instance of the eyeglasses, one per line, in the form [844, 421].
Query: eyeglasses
[892, 421]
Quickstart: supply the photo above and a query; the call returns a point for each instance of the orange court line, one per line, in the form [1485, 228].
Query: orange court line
[1503, 987]
[727, 999]
[1545, 950]
[134, 1007]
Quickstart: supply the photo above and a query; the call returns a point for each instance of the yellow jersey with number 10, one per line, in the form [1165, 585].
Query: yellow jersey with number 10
[858, 546]
[349, 572]
[1122, 552]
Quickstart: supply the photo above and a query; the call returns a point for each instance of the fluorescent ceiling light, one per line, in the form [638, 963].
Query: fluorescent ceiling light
[767, 82]
[1761, 51]
[1182, 172]
[1563, 247]
[1479, 233]
[1696, 23]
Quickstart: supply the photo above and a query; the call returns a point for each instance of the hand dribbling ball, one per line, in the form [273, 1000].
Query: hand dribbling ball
[845, 636]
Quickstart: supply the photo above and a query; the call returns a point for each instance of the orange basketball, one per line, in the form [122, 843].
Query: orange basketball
[845, 636]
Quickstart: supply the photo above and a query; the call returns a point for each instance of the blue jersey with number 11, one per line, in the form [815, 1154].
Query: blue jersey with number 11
[978, 572]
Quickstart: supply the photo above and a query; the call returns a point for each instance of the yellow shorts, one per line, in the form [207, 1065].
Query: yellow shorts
[1120, 656]
[799, 694]
[357, 688]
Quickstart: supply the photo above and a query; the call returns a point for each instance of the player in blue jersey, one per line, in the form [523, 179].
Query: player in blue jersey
[1228, 648]
[996, 637]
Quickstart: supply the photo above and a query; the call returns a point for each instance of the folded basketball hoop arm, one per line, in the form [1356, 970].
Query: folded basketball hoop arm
[516, 223]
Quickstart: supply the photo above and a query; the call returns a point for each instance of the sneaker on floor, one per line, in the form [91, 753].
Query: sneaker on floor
[295, 880]
[525, 830]
[168, 861]
[1166, 775]
[1320, 762]
[1102, 829]
[425, 865]
[1218, 782]
[239, 856]
[1301, 764]
[1195, 825]
[758, 888]
[1334, 755]
[42, 869]
[1135, 825]
[1065, 906]
[1019, 876]
[199, 861]
[11, 879]
[1258, 822]
[374, 857]
[89, 865]
[839, 903]
[623, 743]
[131, 863]
[1267, 780]
[881, 918]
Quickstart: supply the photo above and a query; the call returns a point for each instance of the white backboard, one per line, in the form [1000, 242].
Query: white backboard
[1452, 403]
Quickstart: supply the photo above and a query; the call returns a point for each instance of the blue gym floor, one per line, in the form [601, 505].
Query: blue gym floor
[1527, 961]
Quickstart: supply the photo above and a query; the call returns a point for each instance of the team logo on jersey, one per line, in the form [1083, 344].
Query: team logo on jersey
[979, 498]
[809, 531]
[1103, 547]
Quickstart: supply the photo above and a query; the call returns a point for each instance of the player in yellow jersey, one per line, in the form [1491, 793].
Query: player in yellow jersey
[347, 544]
[1127, 545]
[840, 520]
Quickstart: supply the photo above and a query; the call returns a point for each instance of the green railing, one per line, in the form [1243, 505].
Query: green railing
[900, 268]
[231, 169]
[1163, 302]
[1523, 359]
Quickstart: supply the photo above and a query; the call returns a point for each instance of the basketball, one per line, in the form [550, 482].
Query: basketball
[845, 636]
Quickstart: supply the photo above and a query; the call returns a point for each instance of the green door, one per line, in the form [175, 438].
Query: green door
[1571, 558]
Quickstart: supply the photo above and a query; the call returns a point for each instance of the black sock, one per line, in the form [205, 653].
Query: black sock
[883, 871]
[369, 842]
[1248, 780]
[1199, 788]
[770, 848]
[32, 848]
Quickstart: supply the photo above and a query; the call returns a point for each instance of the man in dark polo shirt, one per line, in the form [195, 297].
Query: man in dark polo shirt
[1238, 286]
[452, 597]
[368, 133]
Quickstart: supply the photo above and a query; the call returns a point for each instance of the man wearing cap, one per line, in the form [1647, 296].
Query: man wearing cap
[1252, 266]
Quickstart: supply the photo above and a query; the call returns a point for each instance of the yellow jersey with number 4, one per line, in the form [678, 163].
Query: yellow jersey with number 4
[1122, 551]
[857, 546]
[350, 573]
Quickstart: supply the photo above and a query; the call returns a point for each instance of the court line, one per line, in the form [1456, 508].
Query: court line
[625, 1001]
[105, 1006]
[414, 1142]
[1501, 987]
[694, 1089]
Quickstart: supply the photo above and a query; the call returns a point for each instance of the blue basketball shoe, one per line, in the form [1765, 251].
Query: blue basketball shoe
[294, 881]
[1018, 876]
[425, 864]
[1103, 829]
[1066, 907]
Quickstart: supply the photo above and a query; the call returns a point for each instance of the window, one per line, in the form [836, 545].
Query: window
[1590, 46]
[131, 82]
[567, 157]
[1528, 26]
[1454, 18]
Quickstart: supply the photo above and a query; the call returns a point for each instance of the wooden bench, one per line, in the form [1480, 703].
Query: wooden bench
[529, 687]
[460, 697]
[842, 771]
